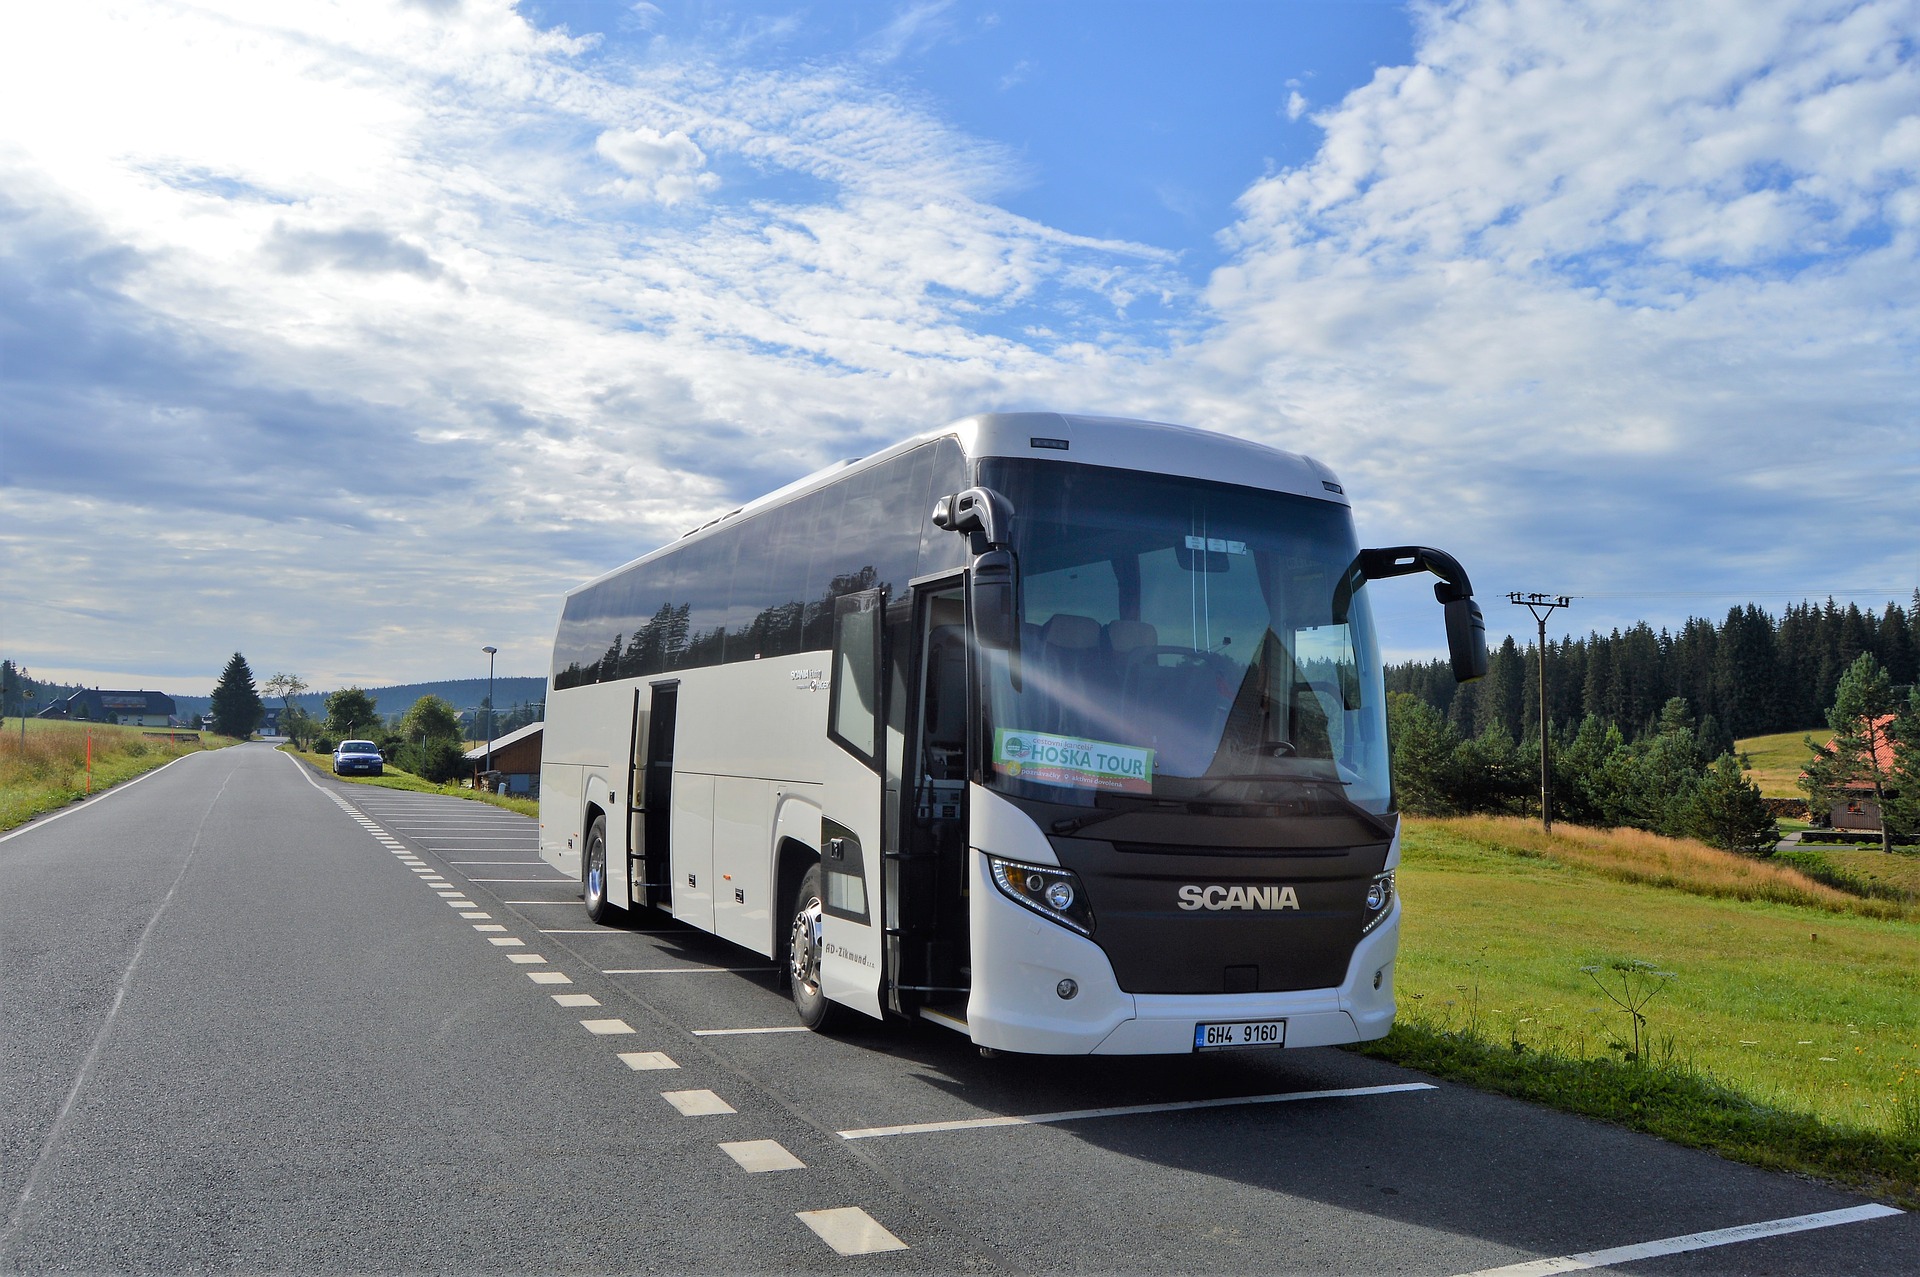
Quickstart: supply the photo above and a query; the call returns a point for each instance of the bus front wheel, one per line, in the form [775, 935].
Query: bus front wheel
[593, 875]
[804, 945]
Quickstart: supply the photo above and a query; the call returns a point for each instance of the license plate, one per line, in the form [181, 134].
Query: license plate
[1219, 1037]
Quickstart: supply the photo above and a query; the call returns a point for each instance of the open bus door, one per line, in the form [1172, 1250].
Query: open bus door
[846, 933]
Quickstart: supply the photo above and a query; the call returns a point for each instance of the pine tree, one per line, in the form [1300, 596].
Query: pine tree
[1861, 749]
[236, 704]
[1728, 812]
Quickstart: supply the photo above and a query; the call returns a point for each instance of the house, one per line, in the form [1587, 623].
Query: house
[1853, 804]
[134, 709]
[516, 760]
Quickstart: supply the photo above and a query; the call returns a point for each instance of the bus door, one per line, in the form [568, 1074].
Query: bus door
[926, 888]
[851, 805]
[651, 812]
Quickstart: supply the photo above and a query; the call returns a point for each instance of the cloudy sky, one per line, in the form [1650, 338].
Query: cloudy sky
[352, 334]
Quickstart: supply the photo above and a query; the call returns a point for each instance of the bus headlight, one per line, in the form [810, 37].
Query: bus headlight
[1051, 892]
[1379, 901]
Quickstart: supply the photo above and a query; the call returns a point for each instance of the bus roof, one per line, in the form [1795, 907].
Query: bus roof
[1156, 447]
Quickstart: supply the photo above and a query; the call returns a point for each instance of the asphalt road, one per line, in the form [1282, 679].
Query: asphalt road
[256, 1019]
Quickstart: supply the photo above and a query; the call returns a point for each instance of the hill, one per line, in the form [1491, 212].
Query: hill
[395, 700]
[1776, 761]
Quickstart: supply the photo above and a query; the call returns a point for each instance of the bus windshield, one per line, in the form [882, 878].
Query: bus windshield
[1178, 642]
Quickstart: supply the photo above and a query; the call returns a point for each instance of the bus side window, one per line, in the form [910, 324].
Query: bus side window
[853, 717]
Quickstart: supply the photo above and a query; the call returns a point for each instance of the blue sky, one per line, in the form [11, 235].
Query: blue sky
[351, 335]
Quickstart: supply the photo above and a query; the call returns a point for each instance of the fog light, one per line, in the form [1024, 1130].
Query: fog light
[1067, 988]
[1060, 895]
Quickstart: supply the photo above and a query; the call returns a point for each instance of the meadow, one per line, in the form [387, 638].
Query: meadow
[1782, 1016]
[49, 769]
[1775, 762]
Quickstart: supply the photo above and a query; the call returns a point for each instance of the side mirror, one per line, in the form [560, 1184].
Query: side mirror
[995, 601]
[1466, 639]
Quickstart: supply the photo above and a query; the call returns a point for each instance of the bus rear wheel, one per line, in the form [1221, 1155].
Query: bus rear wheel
[804, 945]
[593, 876]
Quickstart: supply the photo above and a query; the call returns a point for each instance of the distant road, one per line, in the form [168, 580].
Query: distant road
[256, 1019]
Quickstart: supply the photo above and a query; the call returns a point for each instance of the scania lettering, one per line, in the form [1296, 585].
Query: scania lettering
[1065, 732]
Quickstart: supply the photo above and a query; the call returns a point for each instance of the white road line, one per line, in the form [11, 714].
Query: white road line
[41, 822]
[526, 958]
[678, 970]
[505, 942]
[756, 1157]
[594, 931]
[850, 1230]
[727, 1033]
[460, 901]
[575, 999]
[562, 901]
[496, 862]
[643, 1061]
[489, 926]
[1130, 1110]
[477, 913]
[547, 977]
[1688, 1242]
[697, 1103]
[606, 1028]
[552, 882]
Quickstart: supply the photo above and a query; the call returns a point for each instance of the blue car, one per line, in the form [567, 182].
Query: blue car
[357, 757]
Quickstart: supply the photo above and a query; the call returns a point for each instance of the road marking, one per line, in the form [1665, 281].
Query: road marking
[850, 1230]
[727, 1033]
[575, 999]
[477, 913]
[545, 977]
[525, 957]
[759, 1156]
[592, 931]
[552, 882]
[606, 1027]
[505, 942]
[489, 926]
[697, 1103]
[1688, 1242]
[1130, 1110]
[495, 862]
[641, 1061]
[677, 970]
[564, 900]
[460, 903]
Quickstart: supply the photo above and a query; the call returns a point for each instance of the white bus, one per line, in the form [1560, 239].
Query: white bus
[1065, 732]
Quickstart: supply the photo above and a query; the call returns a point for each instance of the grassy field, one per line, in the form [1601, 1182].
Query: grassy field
[394, 778]
[1777, 760]
[50, 770]
[1861, 870]
[1787, 1034]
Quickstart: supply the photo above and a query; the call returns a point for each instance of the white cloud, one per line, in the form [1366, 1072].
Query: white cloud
[1296, 105]
[663, 167]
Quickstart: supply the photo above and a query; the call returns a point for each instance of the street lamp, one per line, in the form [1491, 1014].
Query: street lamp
[490, 650]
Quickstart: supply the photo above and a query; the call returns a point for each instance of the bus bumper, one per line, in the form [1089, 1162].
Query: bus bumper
[1016, 1003]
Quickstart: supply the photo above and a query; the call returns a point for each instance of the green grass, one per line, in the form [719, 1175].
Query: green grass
[1777, 760]
[1789, 1035]
[1863, 871]
[394, 778]
[50, 771]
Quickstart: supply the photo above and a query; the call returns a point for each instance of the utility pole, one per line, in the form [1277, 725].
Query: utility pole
[1543, 606]
[490, 650]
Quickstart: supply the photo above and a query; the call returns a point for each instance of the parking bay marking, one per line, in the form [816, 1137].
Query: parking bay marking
[850, 1230]
[1130, 1110]
[1688, 1242]
[727, 1033]
[679, 970]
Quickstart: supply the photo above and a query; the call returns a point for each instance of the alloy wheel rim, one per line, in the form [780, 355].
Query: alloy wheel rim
[807, 936]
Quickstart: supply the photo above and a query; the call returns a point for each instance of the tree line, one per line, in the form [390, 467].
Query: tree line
[1750, 675]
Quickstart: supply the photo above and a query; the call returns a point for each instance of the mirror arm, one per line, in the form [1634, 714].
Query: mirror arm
[1466, 631]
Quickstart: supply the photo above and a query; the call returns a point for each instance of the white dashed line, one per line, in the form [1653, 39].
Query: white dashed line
[489, 926]
[528, 958]
[551, 882]
[728, 1033]
[606, 1027]
[495, 862]
[476, 913]
[545, 977]
[505, 942]
[1688, 1242]
[1130, 1110]
[759, 1156]
[576, 999]
[850, 1230]
[642, 1061]
[697, 1103]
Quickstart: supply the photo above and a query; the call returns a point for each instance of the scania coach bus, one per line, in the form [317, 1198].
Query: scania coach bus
[1065, 732]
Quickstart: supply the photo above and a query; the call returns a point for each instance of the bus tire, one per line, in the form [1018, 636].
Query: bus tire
[803, 954]
[593, 875]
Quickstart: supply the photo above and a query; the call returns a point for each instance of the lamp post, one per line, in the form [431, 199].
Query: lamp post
[490, 650]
